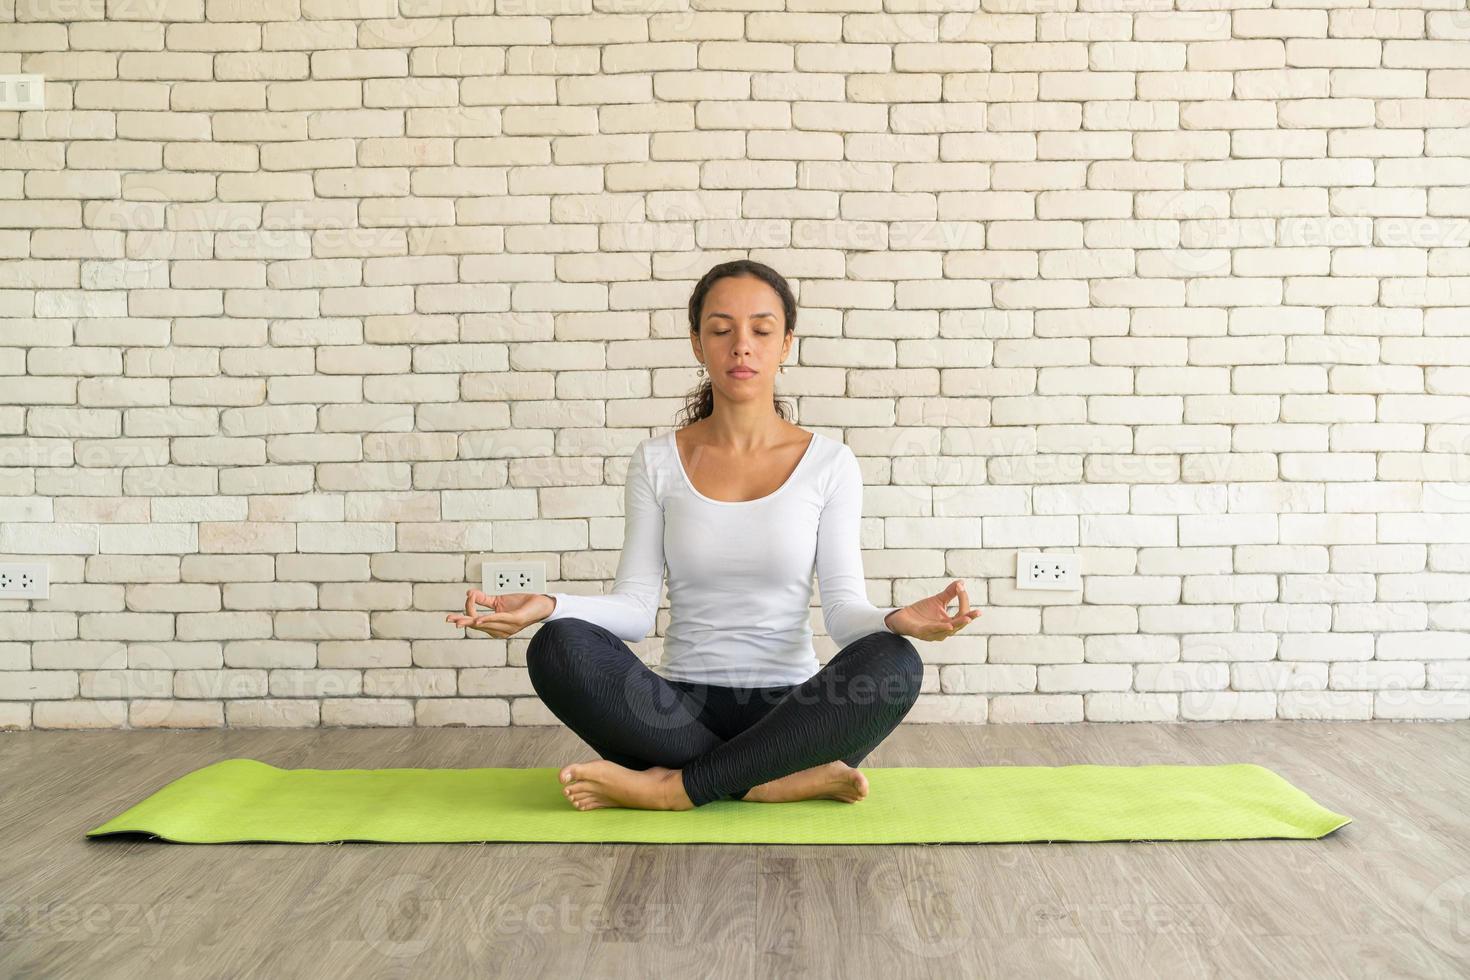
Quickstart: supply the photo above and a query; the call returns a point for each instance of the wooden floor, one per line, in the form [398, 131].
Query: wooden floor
[1386, 896]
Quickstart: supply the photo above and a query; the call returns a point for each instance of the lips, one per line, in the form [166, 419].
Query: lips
[741, 373]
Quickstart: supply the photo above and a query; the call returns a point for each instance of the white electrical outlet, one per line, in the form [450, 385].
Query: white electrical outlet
[502, 577]
[22, 92]
[1047, 570]
[24, 580]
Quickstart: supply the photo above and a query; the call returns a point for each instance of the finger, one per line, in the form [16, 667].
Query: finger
[964, 598]
[502, 615]
[469, 603]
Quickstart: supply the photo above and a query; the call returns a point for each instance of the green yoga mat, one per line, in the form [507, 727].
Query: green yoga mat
[245, 800]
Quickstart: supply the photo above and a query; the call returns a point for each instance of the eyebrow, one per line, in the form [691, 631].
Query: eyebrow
[726, 316]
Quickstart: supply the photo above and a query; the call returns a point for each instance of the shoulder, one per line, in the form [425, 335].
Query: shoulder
[819, 442]
[835, 450]
[647, 454]
[840, 467]
[657, 454]
[826, 453]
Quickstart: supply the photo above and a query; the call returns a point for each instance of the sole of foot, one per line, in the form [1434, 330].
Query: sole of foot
[600, 783]
[833, 781]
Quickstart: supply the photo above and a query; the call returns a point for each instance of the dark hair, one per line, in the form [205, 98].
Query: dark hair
[700, 403]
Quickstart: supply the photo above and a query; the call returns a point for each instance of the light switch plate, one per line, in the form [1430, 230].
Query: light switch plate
[502, 577]
[24, 580]
[22, 92]
[1048, 570]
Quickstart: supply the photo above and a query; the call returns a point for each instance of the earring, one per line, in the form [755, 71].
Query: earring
[783, 367]
[701, 370]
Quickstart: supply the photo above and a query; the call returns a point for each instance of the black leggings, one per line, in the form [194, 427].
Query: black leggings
[726, 740]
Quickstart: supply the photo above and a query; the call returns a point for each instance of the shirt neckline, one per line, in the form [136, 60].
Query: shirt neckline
[674, 447]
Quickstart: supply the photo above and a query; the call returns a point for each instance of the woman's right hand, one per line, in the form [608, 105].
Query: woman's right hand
[510, 613]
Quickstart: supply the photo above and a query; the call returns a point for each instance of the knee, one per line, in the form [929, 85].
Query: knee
[550, 645]
[908, 669]
[897, 667]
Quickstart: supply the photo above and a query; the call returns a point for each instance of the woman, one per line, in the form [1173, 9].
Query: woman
[742, 710]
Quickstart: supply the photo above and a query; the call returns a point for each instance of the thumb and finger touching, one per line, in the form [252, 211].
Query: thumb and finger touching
[964, 617]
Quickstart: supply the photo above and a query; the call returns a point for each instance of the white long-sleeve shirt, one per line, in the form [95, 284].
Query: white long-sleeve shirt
[739, 572]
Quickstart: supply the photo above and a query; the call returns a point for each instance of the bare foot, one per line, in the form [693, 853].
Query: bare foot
[590, 785]
[833, 781]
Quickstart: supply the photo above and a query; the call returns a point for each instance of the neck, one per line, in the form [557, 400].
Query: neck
[744, 427]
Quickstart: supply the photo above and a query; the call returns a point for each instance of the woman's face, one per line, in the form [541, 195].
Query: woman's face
[742, 324]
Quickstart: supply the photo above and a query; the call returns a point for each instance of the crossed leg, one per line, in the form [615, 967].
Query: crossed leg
[661, 741]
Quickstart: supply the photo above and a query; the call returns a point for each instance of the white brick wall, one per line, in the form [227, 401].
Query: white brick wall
[307, 307]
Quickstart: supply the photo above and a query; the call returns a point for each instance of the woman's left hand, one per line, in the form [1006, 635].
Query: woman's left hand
[929, 619]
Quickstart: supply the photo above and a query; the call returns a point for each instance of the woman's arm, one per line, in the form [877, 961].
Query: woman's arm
[846, 610]
[631, 608]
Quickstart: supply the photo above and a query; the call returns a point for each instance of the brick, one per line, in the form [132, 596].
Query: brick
[359, 712]
[462, 713]
[272, 713]
[1120, 706]
[1035, 708]
[939, 709]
